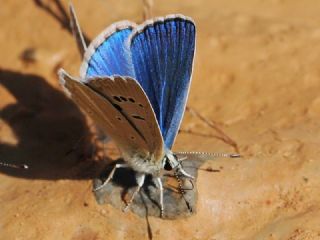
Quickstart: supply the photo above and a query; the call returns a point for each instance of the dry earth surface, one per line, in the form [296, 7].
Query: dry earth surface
[256, 76]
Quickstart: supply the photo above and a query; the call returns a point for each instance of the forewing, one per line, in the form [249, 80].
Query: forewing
[120, 108]
[105, 115]
[162, 54]
[108, 54]
[129, 98]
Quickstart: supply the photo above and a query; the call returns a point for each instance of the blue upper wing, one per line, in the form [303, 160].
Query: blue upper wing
[162, 54]
[108, 55]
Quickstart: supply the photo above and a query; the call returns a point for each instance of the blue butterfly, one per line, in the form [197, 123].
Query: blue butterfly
[134, 82]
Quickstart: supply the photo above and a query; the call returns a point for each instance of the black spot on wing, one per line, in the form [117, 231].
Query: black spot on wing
[117, 107]
[123, 98]
[117, 98]
[138, 117]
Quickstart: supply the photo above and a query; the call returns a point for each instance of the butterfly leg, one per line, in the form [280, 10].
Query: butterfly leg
[184, 173]
[140, 177]
[111, 175]
[161, 196]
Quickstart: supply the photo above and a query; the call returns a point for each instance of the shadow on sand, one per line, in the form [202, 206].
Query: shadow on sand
[46, 125]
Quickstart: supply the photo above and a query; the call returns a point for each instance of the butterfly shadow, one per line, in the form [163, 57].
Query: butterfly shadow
[146, 203]
[39, 128]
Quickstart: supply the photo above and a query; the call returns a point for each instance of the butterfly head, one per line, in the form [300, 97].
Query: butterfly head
[172, 162]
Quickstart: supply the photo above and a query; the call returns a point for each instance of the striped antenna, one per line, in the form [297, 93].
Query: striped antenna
[204, 156]
[9, 165]
[182, 191]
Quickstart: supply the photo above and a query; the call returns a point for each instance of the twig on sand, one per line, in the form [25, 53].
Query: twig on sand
[221, 134]
[60, 15]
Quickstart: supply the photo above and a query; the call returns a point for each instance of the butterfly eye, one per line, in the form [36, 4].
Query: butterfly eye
[167, 166]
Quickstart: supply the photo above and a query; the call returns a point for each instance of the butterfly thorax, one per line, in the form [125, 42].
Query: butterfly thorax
[146, 163]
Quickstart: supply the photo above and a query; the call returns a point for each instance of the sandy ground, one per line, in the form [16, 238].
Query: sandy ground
[256, 76]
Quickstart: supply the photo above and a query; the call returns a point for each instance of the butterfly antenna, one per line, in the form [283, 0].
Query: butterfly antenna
[20, 166]
[182, 190]
[76, 30]
[182, 156]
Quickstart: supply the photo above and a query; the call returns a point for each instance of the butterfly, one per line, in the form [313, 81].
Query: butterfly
[134, 83]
